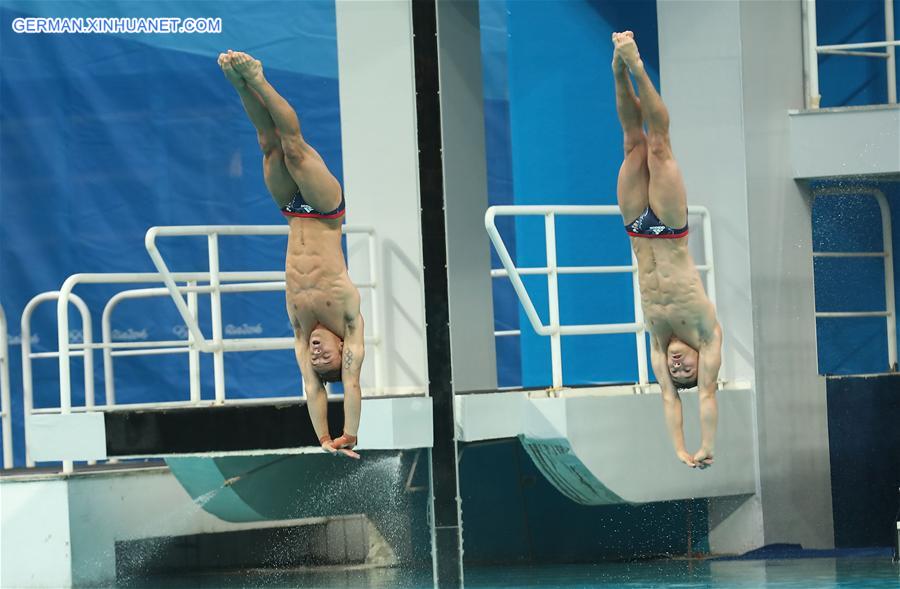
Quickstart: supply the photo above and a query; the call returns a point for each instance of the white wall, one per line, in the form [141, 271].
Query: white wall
[380, 150]
[130, 505]
[62, 532]
[35, 548]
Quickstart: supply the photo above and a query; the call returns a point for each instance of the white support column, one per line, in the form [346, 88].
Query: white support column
[553, 301]
[381, 181]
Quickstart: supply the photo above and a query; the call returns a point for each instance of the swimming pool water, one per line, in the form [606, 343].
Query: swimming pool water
[839, 573]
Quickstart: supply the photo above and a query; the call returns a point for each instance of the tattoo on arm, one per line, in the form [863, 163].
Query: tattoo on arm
[348, 359]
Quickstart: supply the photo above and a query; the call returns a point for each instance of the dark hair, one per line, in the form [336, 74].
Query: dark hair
[330, 376]
[685, 386]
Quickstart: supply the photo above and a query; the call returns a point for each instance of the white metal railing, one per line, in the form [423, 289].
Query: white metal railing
[812, 50]
[552, 270]
[27, 356]
[218, 282]
[889, 313]
[5, 407]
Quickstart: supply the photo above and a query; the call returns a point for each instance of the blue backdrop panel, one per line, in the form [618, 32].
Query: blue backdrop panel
[852, 223]
[566, 149]
[103, 136]
[498, 151]
[846, 80]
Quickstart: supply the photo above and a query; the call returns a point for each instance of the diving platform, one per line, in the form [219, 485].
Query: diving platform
[608, 445]
[596, 445]
[253, 426]
[846, 141]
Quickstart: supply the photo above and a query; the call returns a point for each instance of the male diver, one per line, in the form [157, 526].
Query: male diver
[322, 303]
[685, 337]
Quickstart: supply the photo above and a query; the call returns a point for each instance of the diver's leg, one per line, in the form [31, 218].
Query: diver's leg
[279, 182]
[667, 194]
[633, 184]
[319, 186]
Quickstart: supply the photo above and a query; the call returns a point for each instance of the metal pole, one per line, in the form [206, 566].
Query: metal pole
[194, 354]
[708, 256]
[891, 51]
[109, 383]
[87, 333]
[890, 305]
[216, 312]
[445, 504]
[65, 376]
[5, 404]
[375, 281]
[641, 335]
[811, 55]
[553, 301]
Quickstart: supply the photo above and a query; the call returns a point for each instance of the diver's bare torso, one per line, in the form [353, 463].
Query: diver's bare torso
[672, 295]
[319, 290]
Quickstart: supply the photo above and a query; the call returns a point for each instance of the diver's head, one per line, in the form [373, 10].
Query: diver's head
[325, 349]
[682, 361]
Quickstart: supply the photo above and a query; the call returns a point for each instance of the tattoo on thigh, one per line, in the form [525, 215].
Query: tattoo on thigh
[348, 359]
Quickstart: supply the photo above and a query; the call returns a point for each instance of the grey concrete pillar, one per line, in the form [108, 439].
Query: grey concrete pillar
[465, 196]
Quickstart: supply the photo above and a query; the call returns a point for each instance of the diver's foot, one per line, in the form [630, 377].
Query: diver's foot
[618, 65]
[703, 458]
[250, 69]
[627, 51]
[228, 69]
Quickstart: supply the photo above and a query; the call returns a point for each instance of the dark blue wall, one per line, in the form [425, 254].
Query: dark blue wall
[864, 441]
[847, 80]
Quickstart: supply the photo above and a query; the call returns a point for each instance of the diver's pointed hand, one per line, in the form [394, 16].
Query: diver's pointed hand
[685, 457]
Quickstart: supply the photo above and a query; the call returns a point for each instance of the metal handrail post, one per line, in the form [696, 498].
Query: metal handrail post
[890, 304]
[708, 255]
[87, 338]
[65, 382]
[5, 405]
[641, 335]
[109, 384]
[811, 54]
[891, 51]
[553, 301]
[216, 312]
[376, 324]
[194, 353]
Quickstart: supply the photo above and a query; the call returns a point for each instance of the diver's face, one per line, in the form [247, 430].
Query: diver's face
[682, 361]
[325, 350]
